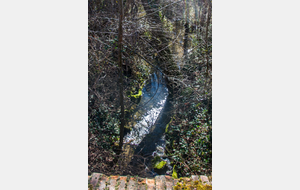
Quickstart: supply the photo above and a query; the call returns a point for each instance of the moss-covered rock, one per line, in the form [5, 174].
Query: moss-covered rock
[160, 165]
[191, 185]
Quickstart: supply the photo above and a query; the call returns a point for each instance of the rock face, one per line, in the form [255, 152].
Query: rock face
[98, 181]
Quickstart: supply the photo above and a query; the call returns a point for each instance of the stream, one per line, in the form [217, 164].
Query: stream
[149, 121]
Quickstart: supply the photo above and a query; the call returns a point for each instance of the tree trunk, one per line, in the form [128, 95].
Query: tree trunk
[186, 27]
[207, 56]
[120, 35]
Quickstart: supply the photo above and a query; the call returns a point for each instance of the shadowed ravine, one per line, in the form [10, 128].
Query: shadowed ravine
[148, 123]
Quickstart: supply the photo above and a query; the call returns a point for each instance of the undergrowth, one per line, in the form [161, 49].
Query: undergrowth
[189, 141]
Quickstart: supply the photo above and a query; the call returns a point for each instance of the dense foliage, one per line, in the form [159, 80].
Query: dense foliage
[190, 141]
[103, 132]
[174, 36]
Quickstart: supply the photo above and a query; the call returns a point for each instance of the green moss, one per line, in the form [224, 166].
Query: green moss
[174, 174]
[137, 95]
[160, 165]
[167, 127]
[191, 186]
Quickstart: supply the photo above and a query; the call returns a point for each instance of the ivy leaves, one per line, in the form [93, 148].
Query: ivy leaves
[189, 142]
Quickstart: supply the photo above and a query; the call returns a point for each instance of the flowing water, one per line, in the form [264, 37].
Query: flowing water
[149, 121]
